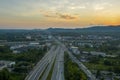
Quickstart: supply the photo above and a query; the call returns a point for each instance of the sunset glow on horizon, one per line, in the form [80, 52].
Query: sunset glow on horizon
[58, 13]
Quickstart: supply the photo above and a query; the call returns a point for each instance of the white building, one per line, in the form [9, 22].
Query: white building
[75, 50]
[16, 47]
[33, 43]
[16, 51]
[94, 53]
[113, 56]
[85, 52]
[28, 37]
[49, 37]
[11, 64]
[6, 64]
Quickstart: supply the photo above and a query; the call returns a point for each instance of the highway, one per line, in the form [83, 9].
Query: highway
[41, 71]
[46, 73]
[41, 66]
[58, 71]
[55, 56]
[80, 64]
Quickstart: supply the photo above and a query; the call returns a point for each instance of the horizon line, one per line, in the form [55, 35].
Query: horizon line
[56, 27]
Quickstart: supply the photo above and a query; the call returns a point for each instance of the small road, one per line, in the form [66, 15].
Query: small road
[83, 67]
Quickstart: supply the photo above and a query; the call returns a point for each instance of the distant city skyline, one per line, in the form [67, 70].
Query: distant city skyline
[35, 14]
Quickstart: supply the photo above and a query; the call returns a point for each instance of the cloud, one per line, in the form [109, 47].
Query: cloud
[77, 7]
[59, 15]
[66, 16]
[48, 15]
[102, 6]
[52, 16]
[99, 8]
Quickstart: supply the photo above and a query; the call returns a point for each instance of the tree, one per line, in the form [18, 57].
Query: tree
[4, 74]
[98, 74]
[108, 63]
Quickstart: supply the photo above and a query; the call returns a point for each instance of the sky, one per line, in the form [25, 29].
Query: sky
[58, 13]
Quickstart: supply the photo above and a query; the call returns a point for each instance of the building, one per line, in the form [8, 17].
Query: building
[16, 51]
[75, 50]
[34, 44]
[6, 64]
[49, 37]
[28, 37]
[11, 64]
[16, 47]
[112, 56]
[85, 52]
[94, 53]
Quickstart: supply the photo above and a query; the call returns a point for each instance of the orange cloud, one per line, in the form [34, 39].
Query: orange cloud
[67, 17]
[60, 16]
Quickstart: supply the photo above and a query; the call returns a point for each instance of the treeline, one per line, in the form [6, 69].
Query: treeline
[108, 47]
[25, 61]
[20, 35]
[31, 55]
[6, 75]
